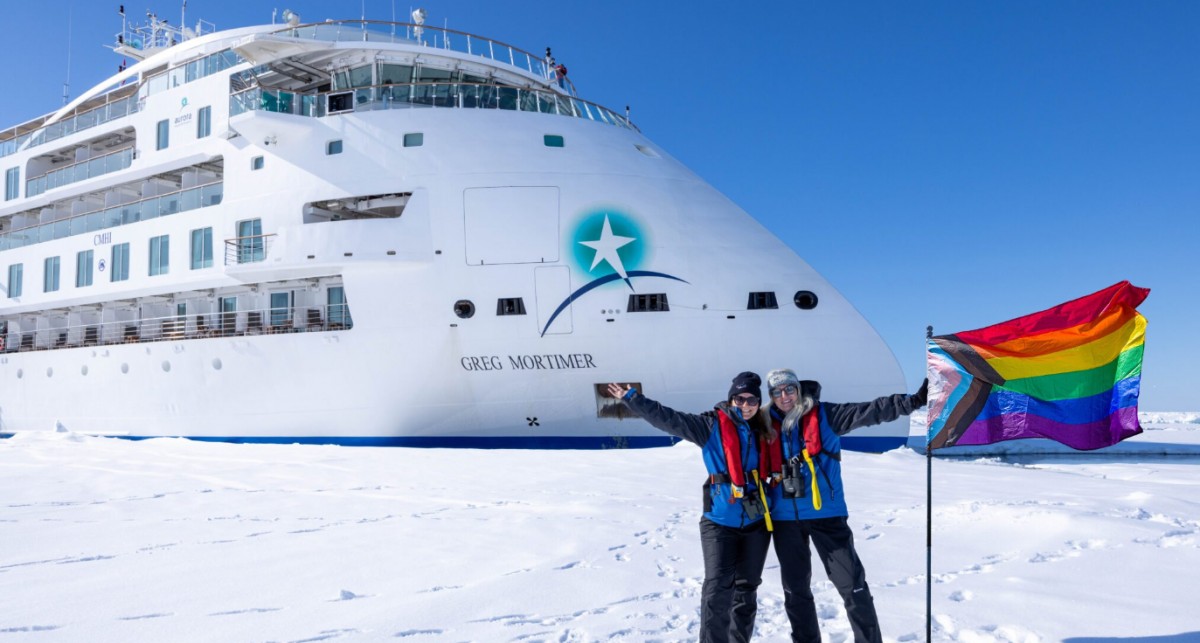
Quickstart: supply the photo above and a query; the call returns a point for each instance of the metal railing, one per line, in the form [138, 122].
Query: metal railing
[81, 171]
[438, 37]
[262, 321]
[416, 95]
[112, 110]
[200, 196]
[251, 249]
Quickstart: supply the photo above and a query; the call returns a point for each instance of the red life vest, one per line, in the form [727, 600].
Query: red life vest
[733, 450]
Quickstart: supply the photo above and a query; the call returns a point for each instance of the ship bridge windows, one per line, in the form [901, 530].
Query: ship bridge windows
[373, 206]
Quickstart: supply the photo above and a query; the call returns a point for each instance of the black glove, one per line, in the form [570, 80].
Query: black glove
[922, 395]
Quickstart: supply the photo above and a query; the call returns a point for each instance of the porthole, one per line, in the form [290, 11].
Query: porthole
[166, 366]
[83, 369]
[20, 373]
[216, 363]
[49, 371]
[805, 299]
[464, 309]
[124, 368]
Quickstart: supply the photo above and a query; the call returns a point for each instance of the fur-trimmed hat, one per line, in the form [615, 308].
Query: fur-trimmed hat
[781, 377]
[746, 382]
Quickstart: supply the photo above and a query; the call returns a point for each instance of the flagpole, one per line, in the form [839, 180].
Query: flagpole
[928, 523]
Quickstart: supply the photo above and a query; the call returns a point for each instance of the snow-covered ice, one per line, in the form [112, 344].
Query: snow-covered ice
[172, 540]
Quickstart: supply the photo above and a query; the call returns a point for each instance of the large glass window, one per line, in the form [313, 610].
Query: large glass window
[250, 241]
[15, 273]
[202, 248]
[120, 262]
[50, 276]
[160, 255]
[228, 315]
[12, 183]
[281, 308]
[361, 76]
[83, 268]
[338, 311]
[204, 122]
[164, 135]
[394, 74]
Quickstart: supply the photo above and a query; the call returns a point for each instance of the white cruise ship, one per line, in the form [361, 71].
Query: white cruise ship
[382, 233]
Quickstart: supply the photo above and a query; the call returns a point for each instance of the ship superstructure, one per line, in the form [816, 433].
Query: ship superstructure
[382, 233]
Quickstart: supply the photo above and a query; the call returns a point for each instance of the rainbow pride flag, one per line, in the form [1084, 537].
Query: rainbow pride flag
[1071, 373]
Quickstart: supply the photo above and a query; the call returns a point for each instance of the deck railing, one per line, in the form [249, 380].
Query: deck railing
[162, 205]
[437, 37]
[81, 171]
[251, 249]
[262, 321]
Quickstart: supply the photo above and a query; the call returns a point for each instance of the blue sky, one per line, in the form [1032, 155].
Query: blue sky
[949, 163]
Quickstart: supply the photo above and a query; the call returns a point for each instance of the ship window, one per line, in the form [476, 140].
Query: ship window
[649, 303]
[15, 274]
[228, 306]
[202, 248]
[120, 262]
[414, 139]
[552, 140]
[204, 122]
[338, 313]
[83, 268]
[431, 75]
[164, 135]
[761, 300]
[160, 255]
[12, 183]
[805, 299]
[510, 306]
[250, 247]
[394, 74]
[281, 308]
[361, 76]
[333, 147]
[256, 163]
[50, 276]
[341, 80]
[464, 309]
[340, 103]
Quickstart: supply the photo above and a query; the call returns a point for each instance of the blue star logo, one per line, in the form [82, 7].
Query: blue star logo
[608, 245]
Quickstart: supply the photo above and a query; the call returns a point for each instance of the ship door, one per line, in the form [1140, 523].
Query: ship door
[552, 287]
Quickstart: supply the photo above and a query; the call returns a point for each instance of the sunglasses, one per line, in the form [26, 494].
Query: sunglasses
[789, 389]
[745, 400]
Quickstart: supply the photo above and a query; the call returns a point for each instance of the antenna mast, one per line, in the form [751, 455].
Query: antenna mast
[67, 84]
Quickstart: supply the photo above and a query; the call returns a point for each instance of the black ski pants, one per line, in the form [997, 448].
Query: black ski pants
[834, 542]
[733, 564]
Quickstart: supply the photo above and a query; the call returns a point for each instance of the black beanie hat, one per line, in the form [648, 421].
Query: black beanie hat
[746, 382]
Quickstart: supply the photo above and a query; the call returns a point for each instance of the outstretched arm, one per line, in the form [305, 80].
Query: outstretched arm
[844, 418]
[688, 426]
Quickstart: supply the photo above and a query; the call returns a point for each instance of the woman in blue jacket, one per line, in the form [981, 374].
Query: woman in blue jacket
[732, 531]
[809, 503]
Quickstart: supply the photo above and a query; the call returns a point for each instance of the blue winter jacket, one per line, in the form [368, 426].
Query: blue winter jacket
[704, 430]
[835, 420]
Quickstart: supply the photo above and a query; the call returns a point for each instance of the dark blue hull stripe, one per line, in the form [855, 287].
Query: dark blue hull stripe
[868, 444]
